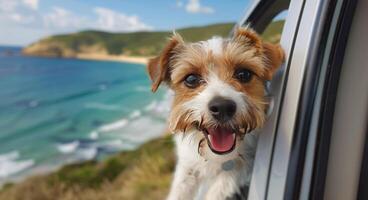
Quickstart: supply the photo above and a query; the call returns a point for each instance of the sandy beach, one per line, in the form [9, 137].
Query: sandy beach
[119, 58]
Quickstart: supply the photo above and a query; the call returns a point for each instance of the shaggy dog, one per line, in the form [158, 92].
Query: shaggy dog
[219, 99]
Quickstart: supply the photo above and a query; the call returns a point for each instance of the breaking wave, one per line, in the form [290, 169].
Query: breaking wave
[11, 164]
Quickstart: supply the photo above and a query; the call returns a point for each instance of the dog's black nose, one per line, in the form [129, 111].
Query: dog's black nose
[222, 109]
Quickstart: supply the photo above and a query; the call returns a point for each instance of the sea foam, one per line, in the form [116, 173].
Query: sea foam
[10, 164]
[114, 125]
[135, 114]
[102, 106]
[68, 147]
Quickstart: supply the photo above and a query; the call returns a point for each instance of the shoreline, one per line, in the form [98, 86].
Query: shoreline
[132, 169]
[118, 58]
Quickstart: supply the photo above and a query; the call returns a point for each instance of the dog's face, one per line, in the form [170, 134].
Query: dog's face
[219, 85]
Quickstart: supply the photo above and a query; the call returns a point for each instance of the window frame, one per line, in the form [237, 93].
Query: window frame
[285, 165]
[339, 16]
[350, 119]
[259, 19]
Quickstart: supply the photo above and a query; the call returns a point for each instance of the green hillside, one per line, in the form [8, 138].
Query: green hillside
[137, 43]
[134, 44]
[273, 31]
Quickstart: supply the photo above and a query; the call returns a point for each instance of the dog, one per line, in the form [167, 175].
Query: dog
[219, 102]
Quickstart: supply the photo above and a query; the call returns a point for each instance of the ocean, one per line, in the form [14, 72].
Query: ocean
[58, 111]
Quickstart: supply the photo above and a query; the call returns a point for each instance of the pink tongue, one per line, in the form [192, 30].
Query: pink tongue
[221, 139]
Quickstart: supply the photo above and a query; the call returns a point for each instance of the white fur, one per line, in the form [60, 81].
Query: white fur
[214, 45]
[203, 176]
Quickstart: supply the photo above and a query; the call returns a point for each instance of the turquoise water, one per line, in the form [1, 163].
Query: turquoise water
[56, 111]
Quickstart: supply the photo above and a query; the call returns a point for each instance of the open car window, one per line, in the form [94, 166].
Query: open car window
[270, 20]
[273, 31]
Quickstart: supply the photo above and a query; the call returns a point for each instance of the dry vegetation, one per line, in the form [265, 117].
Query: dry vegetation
[141, 174]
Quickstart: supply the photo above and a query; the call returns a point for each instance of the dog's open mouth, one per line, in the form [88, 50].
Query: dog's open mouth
[221, 140]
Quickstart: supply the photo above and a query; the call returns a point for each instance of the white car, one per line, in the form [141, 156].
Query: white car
[315, 144]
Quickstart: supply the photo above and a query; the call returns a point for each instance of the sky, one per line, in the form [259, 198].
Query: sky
[25, 21]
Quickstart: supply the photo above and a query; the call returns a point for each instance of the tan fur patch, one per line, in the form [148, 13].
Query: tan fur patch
[158, 67]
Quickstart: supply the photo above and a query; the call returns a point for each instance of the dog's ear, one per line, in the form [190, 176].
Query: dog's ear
[248, 36]
[158, 68]
[273, 54]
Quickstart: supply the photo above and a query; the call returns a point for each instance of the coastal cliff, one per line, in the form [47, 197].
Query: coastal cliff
[130, 47]
[95, 44]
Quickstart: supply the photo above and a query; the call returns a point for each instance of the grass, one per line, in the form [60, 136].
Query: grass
[145, 172]
[273, 31]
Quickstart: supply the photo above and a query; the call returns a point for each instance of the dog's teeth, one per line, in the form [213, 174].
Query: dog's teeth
[234, 135]
[210, 138]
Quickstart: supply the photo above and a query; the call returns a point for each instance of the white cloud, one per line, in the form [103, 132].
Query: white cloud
[24, 15]
[61, 18]
[194, 6]
[20, 22]
[33, 4]
[18, 11]
[114, 21]
[12, 5]
[106, 19]
[7, 6]
[21, 19]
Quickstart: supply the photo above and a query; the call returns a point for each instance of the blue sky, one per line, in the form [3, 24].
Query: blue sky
[25, 21]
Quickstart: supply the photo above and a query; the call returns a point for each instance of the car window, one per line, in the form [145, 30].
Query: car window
[273, 31]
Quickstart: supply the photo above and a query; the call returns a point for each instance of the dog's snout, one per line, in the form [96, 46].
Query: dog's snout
[222, 109]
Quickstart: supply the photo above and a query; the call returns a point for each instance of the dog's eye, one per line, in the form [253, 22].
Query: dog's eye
[243, 75]
[192, 80]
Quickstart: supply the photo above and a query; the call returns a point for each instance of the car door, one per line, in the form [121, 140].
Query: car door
[293, 150]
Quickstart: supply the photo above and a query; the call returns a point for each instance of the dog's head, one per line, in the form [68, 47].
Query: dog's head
[219, 85]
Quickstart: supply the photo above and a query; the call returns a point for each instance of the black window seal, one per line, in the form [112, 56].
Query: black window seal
[258, 21]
